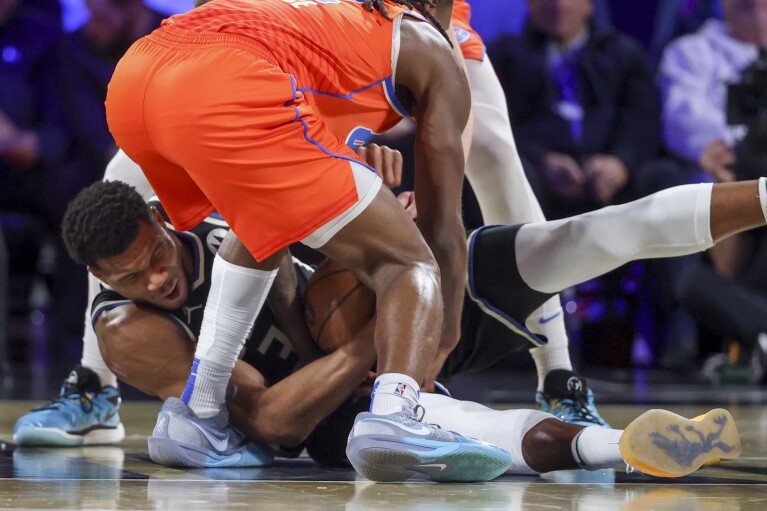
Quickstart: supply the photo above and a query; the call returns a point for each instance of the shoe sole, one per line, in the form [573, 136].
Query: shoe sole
[28, 436]
[663, 444]
[386, 458]
[170, 453]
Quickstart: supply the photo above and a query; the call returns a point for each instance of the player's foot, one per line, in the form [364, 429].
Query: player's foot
[85, 413]
[663, 444]
[566, 396]
[396, 447]
[181, 439]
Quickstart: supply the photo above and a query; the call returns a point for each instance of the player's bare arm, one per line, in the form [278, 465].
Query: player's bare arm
[431, 80]
[149, 351]
[285, 302]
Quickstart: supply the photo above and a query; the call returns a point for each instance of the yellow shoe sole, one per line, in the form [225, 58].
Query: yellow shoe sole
[663, 444]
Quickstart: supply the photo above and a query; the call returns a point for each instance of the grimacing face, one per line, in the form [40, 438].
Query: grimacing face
[150, 270]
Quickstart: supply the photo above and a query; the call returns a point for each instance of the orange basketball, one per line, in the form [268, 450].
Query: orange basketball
[336, 305]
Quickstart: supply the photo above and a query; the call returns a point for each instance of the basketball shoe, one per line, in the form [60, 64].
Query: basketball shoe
[398, 446]
[566, 396]
[85, 413]
[663, 444]
[181, 439]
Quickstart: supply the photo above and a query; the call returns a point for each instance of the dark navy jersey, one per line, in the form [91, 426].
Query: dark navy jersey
[267, 349]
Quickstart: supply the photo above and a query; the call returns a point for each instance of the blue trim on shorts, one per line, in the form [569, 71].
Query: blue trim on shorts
[109, 307]
[485, 302]
[320, 146]
[339, 96]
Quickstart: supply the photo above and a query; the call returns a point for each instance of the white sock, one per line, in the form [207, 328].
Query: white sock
[548, 320]
[596, 447]
[235, 299]
[394, 392]
[763, 195]
[92, 358]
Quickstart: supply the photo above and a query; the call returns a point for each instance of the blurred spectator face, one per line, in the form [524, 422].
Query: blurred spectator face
[6, 7]
[560, 19]
[746, 18]
[110, 22]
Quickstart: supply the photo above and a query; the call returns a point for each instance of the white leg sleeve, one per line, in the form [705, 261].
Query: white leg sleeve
[505, 197]
[92, 358]
[555, 255]
[494, 168]
[504, 428]
[122, 168]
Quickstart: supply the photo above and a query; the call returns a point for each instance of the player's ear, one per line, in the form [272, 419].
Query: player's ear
[157, 216]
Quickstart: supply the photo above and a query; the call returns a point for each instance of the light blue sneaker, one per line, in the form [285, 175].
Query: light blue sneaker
[181, 439]
[397, 447]
[85, 413]
[566, 396]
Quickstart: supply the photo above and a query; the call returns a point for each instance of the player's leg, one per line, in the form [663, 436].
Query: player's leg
[143, 96]
[64, 422]
[658, 442]
[674, 222]
[505, 197]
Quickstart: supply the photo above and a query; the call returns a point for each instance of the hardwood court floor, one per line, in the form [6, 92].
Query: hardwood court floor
[123, 478]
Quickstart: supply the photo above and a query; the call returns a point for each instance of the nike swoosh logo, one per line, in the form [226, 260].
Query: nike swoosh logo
[543, 321]
[440, 466]
[218, 444]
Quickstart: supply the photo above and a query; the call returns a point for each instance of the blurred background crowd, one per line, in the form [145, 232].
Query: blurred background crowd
[610, 100]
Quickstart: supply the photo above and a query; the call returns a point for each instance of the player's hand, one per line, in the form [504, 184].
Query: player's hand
[607, 175]
[563, 175]
[387, 161]
[407, 199]
[716, 159]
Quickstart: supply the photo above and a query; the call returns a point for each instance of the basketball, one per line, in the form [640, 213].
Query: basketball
[336, 305]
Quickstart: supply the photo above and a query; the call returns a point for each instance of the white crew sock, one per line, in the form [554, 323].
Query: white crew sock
[596, 447]
[394, 392]
[548, 320]
[236, 296]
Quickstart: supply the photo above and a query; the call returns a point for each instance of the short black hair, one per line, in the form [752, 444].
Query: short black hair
[102, 221]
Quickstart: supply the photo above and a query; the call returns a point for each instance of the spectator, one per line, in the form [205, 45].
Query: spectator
[585, 113]
[726, 298]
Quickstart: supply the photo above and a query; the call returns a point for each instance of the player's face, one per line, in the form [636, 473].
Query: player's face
[150, 270]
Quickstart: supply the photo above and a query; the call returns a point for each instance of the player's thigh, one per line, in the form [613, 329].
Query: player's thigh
[382, 234]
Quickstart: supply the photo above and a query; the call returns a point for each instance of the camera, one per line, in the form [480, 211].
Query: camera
[747, 106]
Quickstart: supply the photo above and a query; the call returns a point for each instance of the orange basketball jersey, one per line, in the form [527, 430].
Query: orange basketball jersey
[472, 46]
[339, 54]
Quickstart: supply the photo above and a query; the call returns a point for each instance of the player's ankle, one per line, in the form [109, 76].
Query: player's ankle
[393, 393]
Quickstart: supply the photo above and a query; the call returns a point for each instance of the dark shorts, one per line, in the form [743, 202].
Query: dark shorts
[497, 304]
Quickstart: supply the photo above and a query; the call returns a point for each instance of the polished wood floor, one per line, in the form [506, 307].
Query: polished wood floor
[122, 477]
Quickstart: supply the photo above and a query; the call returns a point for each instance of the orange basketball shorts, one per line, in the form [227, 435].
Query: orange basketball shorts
[215, 123]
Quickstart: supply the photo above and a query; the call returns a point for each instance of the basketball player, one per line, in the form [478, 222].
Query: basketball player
[149, 346]
[271, 166]
[495, 172]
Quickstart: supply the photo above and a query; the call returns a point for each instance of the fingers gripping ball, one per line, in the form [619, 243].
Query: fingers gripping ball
[336, 305]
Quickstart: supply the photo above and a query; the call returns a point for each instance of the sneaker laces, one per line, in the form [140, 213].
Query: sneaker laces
[68, 392]
[579, 405]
